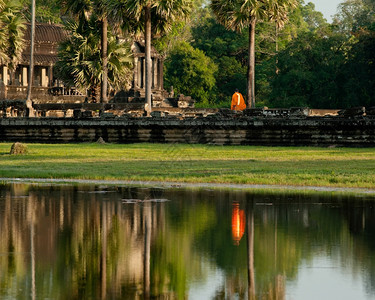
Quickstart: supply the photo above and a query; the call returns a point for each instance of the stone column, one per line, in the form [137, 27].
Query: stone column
[144, 72]
[24, 76]
[161, 74]
[155, 73]
[140, 72]
[5, 75]
[50, 76]
[44, 77]
[136, 61]
[5, 83]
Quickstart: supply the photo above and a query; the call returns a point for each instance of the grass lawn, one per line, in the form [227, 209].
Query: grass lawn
[304, 166]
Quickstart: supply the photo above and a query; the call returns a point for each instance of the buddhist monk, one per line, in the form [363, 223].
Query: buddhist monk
[238, 103]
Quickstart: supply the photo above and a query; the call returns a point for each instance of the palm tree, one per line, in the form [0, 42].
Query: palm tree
[2, 34]
[83, 10]
[80, 59]
[31, 67]
[12, 26]
[278, 13]
[12, 30]
[240, 14]
[157, 17]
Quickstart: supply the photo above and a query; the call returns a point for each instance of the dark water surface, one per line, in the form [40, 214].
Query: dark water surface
[97, 242]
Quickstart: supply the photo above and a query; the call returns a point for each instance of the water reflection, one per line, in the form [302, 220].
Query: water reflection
[94, 242]
[238, 223]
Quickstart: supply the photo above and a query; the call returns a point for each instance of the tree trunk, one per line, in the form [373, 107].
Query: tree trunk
[277, 47]
[29, 105]
[250, 252]
[251, 67]
[147, 249]
[94, 90]
[103, 258]
[104, 41]
[31, 67]
[148, 58]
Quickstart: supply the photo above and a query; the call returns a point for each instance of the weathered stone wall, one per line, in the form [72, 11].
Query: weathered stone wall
[218, 130]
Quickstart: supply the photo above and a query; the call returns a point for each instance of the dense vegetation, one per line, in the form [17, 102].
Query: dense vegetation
[300, 58]
[307, 62]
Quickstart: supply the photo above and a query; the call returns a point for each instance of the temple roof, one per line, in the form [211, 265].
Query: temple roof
[39, 59]
[138, 49]
[46, 33]
[47, 39]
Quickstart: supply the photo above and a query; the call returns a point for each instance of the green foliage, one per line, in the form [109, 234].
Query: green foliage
[80, 62]
[313, 19]
[180, 30]
[227, 49]
[45, 11]
[310, 73]
[11, 33]
[353, 15]
[190, 72]
[329, 66]
[130, 14]
[359, 71]
[48, 11]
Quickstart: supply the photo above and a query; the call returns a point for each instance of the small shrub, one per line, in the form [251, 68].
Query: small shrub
[18, 149]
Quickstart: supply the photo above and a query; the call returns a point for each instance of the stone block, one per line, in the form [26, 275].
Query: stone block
[370, 111]
[299, 111]
[18, 149]
[87, 114]
[106, 115]
[157, 114]
[254, 111]
[77, 113]
[352, 112]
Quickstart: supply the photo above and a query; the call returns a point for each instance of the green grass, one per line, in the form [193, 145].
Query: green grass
[338, 167]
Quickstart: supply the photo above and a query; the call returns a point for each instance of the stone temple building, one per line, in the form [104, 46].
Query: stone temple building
[47, 88]
[47, 38]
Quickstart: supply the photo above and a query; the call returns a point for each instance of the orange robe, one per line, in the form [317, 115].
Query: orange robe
[238, 103]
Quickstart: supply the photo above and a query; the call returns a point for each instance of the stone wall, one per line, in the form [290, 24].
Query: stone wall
[218, 129]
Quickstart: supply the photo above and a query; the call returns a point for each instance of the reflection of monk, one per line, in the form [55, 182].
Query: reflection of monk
[238, 103]
[238, 223]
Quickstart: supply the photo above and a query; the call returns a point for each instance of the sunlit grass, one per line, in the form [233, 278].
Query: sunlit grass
[337, 167]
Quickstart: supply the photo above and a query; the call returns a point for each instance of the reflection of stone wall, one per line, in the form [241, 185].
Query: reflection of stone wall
[214, 129]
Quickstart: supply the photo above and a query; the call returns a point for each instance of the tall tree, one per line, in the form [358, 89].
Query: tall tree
[2, 35]
[190, 72]
[82, 10]
[31, 66]
[80, 59]
[353, 15]
[149, 16]
[240, 14]
[11, 31]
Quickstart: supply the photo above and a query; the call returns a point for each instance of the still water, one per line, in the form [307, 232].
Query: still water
[98, 242]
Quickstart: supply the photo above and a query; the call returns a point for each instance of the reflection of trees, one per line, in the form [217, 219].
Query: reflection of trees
[250, 252]
[175, 258]
[81, 239]
[89, 244]
[287, 231]
[361, 222]
[78, 242]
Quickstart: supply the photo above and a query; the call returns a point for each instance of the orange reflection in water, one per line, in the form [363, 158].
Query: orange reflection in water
[238, 223]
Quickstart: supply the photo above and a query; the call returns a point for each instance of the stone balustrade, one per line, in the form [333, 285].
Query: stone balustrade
[219, 127]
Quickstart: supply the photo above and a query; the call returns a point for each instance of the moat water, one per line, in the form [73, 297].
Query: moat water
[105, 242]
